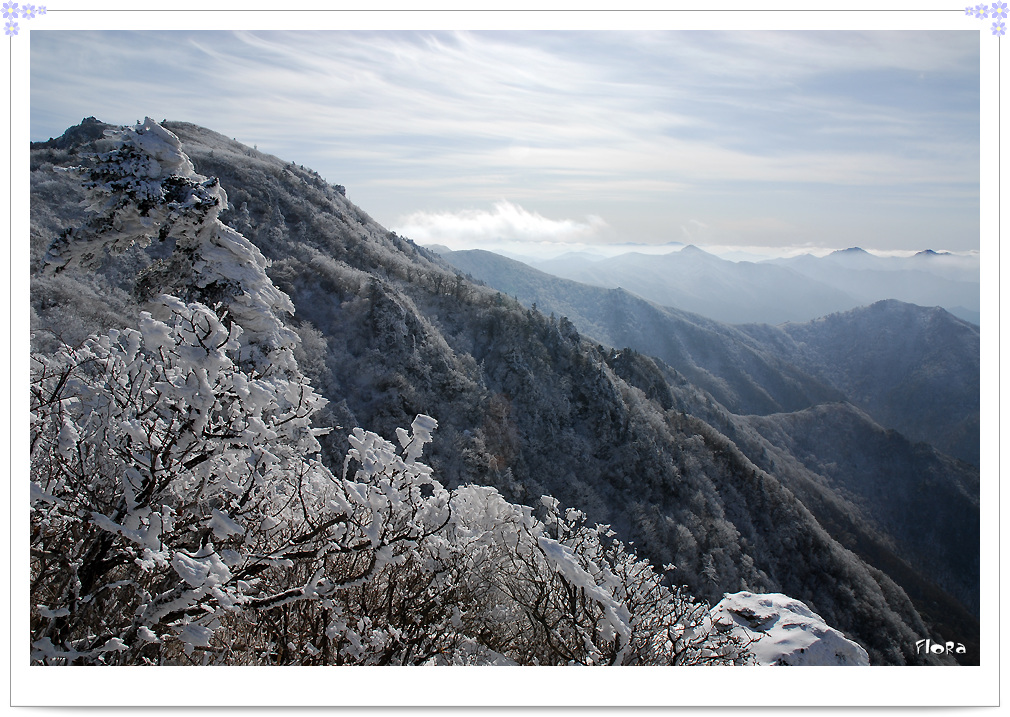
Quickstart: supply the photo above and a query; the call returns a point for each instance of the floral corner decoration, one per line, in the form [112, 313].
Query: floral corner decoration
[997, 11]
[12, 11]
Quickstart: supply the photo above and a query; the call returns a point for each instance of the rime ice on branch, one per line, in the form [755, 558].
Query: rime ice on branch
[179, 514]
[145, 189]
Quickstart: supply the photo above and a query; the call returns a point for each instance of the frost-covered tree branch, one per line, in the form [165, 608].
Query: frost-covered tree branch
[180, 513]
[144, 189]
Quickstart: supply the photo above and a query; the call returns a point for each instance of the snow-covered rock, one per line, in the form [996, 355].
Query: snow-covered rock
[784, 631]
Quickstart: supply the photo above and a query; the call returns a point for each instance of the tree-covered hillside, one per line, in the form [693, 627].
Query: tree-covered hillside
[914, 368]
[782, 394]
[731, 366]
[525, 405]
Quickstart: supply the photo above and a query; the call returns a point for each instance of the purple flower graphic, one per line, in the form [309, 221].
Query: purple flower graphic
[27, 11]
[999, 13]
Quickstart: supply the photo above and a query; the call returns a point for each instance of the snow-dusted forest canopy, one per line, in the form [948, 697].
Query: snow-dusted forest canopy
[180, 512]
[223, 346]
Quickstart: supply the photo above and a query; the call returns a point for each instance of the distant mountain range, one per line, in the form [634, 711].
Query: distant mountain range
[772, 459]
[927, 278]
[775, 291]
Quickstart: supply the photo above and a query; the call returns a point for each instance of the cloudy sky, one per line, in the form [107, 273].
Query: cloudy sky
[540, 141]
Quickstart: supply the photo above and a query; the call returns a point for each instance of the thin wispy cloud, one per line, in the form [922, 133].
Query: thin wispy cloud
[645, 130]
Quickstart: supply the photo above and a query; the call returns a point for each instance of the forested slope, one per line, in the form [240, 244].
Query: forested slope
[783, 393]
[524, 403]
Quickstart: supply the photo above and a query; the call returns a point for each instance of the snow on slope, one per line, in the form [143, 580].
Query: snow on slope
[785, 631]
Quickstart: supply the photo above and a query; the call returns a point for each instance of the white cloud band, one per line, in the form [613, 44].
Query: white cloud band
[505, 223]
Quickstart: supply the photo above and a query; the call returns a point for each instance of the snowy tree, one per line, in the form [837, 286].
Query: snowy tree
[558, 591]
[177, 515]
[173, 483]
[180, 513]
[164, 479]
[145, 189]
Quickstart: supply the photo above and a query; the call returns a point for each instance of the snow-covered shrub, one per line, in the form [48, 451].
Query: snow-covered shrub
[559, 591]
[164, 478]
[176, 506]
[144, 190]
[180, 514]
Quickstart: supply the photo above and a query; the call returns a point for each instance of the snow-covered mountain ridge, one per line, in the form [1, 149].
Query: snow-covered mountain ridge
[524, 403]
